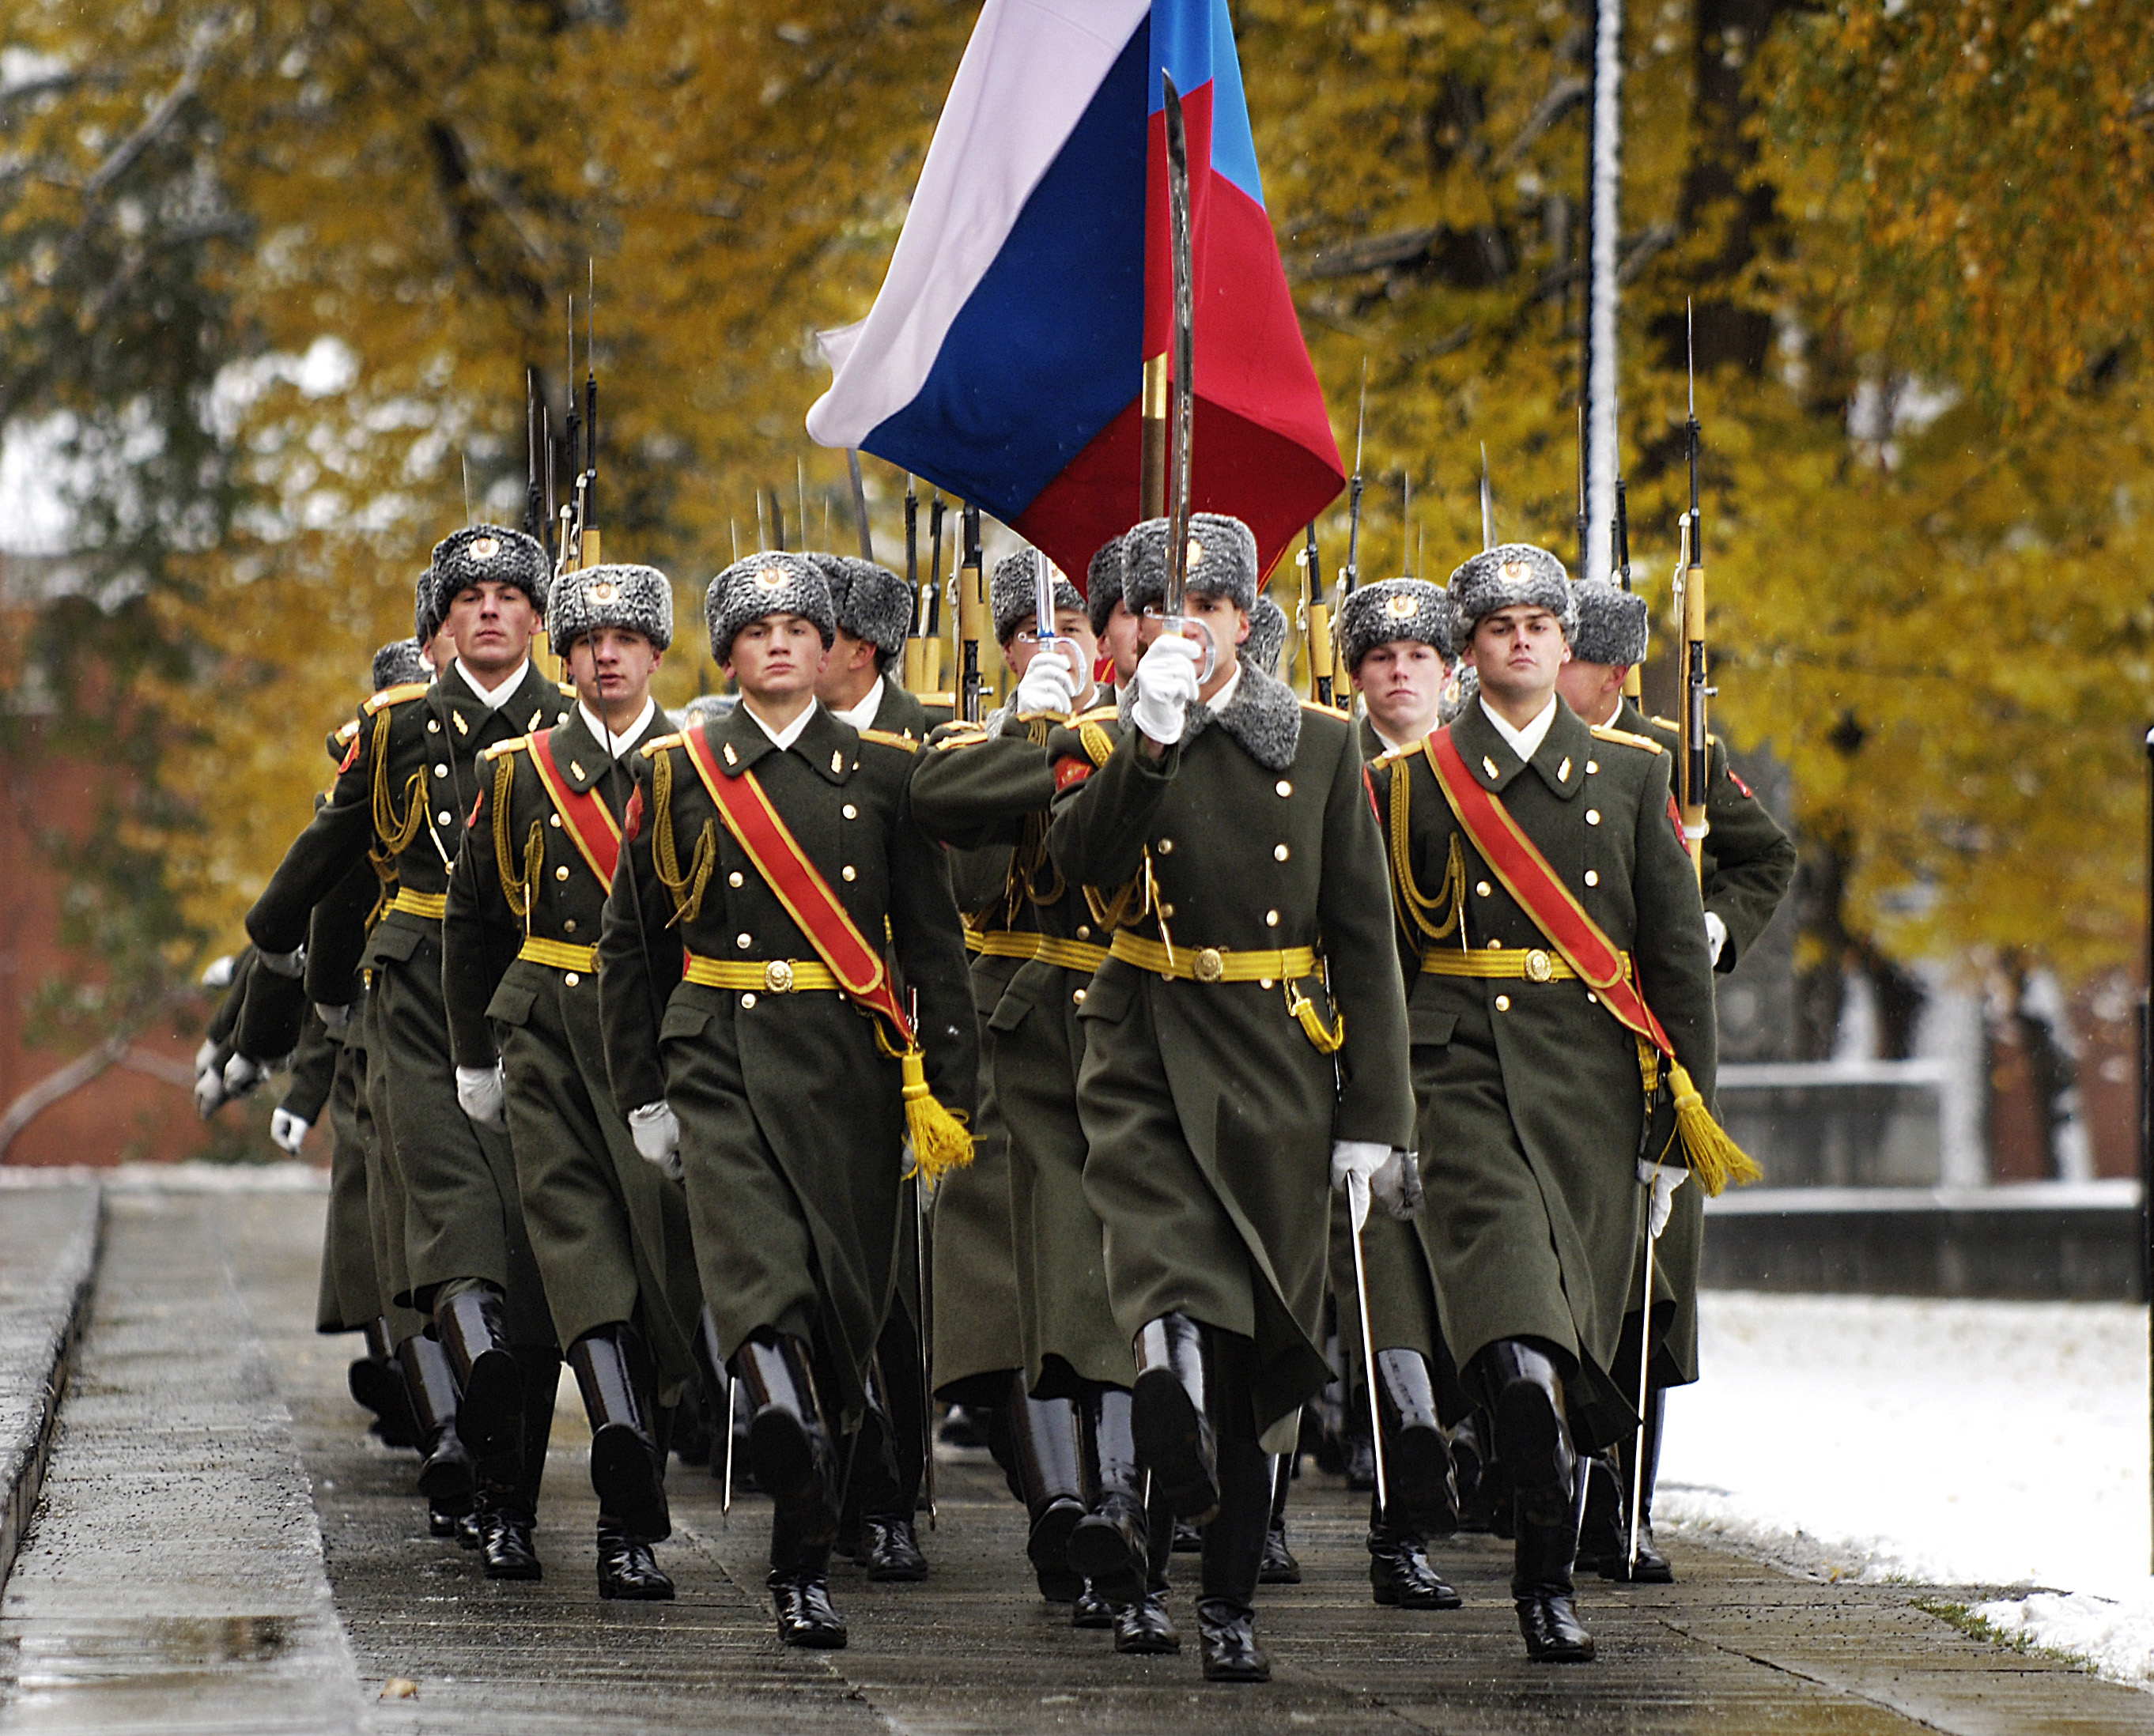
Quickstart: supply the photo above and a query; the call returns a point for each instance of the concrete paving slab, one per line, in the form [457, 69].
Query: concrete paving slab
[48, 1244]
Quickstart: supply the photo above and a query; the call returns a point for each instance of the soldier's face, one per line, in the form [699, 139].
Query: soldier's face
[492, 624]
[1592, 690]
[1123, 643]
[1517, 652]
[612, 669]
[777, 657]
[1220, 616]
[1403, 684]
[1074, 644]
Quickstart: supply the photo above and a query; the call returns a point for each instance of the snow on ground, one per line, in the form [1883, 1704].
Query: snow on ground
[1997, 1444]
[188, 1177]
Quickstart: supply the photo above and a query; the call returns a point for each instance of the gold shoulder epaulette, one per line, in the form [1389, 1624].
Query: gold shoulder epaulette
[347, 729]
[659, 744]
[1328, 711]
[395, 696]
[499, 748]
[1608, 732]
[1098, 714]
[1391, 753]
[910, 744]
[1669, 723]
[567, 689]
[959, 735]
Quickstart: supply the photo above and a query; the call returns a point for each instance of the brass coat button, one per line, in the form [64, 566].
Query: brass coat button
[1503, 1003]
[554, 821]
[849, 811]
[562, 872]
[572, 979]
[569, 926]
[1283, 787]
[1593, 817]
[848, 873]
[741, 942]
[1210, 966]
[1280, 852]
[734, 878]
[1592, 877]
[440, 771]
[1483, 888]
[748, 998]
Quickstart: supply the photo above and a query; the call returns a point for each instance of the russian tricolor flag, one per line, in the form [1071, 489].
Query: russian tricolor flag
[1003, 359]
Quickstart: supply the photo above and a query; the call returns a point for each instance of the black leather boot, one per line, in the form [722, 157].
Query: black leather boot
[1091, 1608]
[1651, 1567]
[1400, 1575]
[628, 1472]
[1042, 1434]
[1233, 1553]
[1171, 1420]
[1541, 1587]
[885, 1543]
[1532, 1439]
[1601, 1534]
[1469, 1460]
[627, 1568]
[800, 1590]
[507, 1508]
[1109, 1543]
[446, 1475]
[1278, 1566]
[788, 1441]
[1144, 1629]
[473, 1327]
[376, 1381]
[1423, 1490]
[505, 1528]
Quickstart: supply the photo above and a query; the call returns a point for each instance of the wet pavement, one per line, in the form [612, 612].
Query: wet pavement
[220, 1546]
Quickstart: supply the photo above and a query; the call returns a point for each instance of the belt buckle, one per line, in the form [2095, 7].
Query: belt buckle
[1539, 967]
[778, 976]
[1210, 967]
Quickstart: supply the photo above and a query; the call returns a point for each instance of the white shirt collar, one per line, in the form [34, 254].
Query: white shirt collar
[862, 717]
[501, 695]
[785, 738]
[616, 745]
[1220, 700]
[1527, 742]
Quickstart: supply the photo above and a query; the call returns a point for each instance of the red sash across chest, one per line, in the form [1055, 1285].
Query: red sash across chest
[589, 822]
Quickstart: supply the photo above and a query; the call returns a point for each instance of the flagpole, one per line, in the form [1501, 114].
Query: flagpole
[1603, 233]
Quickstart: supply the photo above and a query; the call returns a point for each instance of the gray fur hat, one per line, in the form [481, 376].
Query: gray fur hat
[1454, 699]
[487, 551]
[638, 599]
[868, 600]
[399, 662]
[1267, 636]
[1613, 622]
[769, 583]
[1014, 592]
[1222, 561]
[1392, 609]
[705, 705]
[1504, 577]
[425, 623]
[1103, 583]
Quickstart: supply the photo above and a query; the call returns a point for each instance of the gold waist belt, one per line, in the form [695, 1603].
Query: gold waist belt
[765, 977]
[432, 905]
[559, 954]
[1534, 963]
[1212, 963]
[1071, 954]
[1001, 942]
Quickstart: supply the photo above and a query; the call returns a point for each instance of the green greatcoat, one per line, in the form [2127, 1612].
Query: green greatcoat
[1531, 1099]
[975, 789]
[609, 1230]
[1208, 1110]
[792, 1127]
[409, 780]
[1749, 864]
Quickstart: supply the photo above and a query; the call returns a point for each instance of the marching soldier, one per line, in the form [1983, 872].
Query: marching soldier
[1394, 640]
[1749, 865]
[996, 787]
[1561, 978]
[873, 610]
[519, 952]
[772, 867]
[406, 784]
[1266, 635]
[1113, 627]
[1224, 1082]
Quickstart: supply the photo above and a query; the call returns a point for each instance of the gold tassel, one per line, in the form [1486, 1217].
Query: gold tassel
[1715, 1160]
[940, 1141]
[1325, 1042]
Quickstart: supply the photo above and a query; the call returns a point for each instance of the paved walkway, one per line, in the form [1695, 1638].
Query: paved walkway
[220, 1547]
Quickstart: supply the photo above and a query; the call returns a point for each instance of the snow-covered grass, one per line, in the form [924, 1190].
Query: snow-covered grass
[1992, 1444]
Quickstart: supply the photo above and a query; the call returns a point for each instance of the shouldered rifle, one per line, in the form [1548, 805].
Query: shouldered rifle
[860, 502]
[1315, 622]
[932, 652]
[1487, 511]
[1182, 428]
[587, 485]
[1633, 686]
[918, 633]
[1690, 592]
[567, 555]
[972, 612]
[534, 483]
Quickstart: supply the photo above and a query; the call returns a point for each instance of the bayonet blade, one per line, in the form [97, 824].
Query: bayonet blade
[1042, 597]
[1488, 513]
[860, 502]
[1182, 427]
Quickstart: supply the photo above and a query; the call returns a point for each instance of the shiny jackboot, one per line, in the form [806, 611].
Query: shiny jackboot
[1171, 1420]
[376, 1381]
[1469, 1463]
[507, 1510]
[1422, 1487]
[1651, 1567]
[446, 1475]
[1233, 1551]
[789, 1440]
[474, 1327]
[1548, 1493]
[1401, 1574]
[1143, 1628]
[1042, 1433]
[1279, 1567]
[1601, 1533]
[800, 1589]
[880, 1503]
[1112, 1542]
[628, 1465]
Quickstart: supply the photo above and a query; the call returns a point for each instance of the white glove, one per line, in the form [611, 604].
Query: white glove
[479, 1095]
[242, 1076]
[1664, 1179]
[1047, 684]
[1166, 686]
[209, 1091]
[1716, 934]
[656, 1131]
[206, 1057]
[287, 1131]
[1390, 1175]
[333, 1018]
